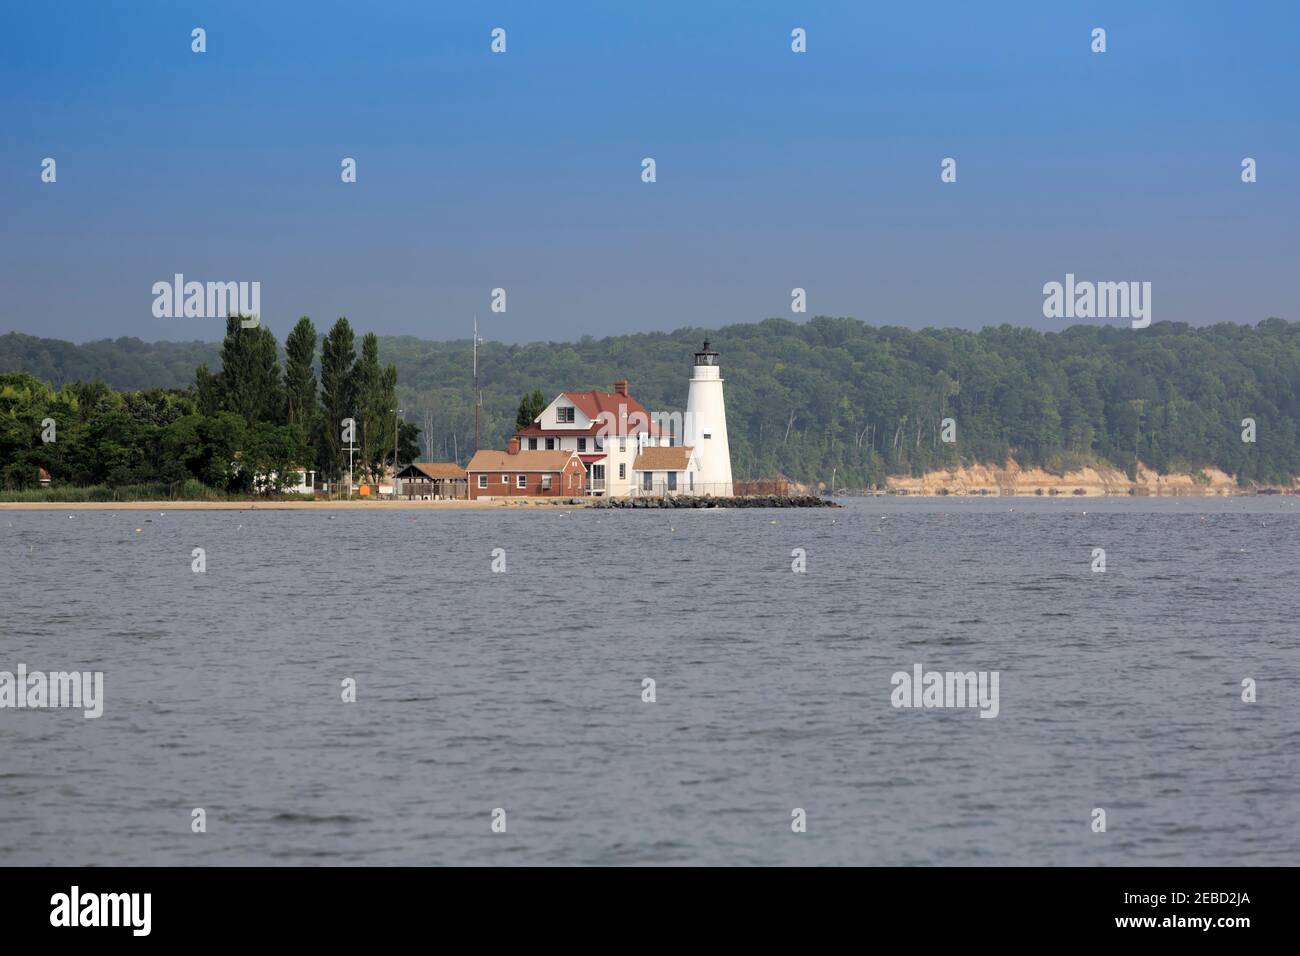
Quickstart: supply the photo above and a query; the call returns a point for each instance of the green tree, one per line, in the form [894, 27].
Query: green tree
[376, 391]
[530, 406]
[250, 373]
[300, 377]
[274, 452]
[338, 397]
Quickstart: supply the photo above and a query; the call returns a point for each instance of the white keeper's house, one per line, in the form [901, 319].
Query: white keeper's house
[626, 451]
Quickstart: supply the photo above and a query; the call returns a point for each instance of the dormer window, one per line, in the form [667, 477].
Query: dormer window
[564, 415]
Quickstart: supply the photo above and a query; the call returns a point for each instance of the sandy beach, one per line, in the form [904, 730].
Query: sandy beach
[255, 505]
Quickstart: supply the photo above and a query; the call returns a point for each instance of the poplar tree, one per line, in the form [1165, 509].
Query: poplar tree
[250, 373]
[300, 377]
[338, 396]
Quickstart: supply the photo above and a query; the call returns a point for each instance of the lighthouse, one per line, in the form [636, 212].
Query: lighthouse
[706, 424]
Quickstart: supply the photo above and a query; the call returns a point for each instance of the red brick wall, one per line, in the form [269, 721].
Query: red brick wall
[567, 485]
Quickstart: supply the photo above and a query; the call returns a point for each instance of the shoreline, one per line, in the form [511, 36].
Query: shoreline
[165, 505]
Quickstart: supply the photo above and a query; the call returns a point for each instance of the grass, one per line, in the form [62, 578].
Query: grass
[153, 491]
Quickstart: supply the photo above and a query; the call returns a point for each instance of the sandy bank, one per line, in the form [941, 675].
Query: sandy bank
[1091, 481]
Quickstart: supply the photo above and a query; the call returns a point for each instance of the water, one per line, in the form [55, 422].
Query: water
[522, 690]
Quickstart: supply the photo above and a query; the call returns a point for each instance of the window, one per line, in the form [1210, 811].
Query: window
[564, 415]
[521, 481]
[582, 444]
[647, 480]
[690, 480]
[546, 482]
[505, 479]
[482, 481]
[532, 444]
[622, 471]
[622, 444]
[550, 444]
[707, 435]
[672, 481]
[599, 443]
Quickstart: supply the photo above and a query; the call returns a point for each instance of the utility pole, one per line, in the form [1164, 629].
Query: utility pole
[351, 448]
[397, 431]
[478, 396]
[349, 431]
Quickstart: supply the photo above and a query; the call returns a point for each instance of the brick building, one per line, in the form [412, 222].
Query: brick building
[526, 474]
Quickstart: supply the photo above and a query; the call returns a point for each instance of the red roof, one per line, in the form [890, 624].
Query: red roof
[593, 403]
[622, 409]
[589, 459]
[488, 459]
[535, 429]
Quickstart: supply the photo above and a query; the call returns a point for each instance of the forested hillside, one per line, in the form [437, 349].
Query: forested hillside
[124, 364]
[806, 398]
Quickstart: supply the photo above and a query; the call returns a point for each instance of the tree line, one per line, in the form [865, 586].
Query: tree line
[805, 400]
[250, 426]
[835, 396]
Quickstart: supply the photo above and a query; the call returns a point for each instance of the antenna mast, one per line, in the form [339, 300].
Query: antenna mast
[478, 396]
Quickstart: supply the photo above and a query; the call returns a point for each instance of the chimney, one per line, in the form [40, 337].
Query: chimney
[620, 387]
[513, 447]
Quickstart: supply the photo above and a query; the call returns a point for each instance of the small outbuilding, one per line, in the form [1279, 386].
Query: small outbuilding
[432, 481]
[669, 470]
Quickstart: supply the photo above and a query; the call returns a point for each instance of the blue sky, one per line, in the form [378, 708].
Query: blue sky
[522, 170]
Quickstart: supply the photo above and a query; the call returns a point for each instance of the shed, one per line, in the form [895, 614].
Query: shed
[432, 480]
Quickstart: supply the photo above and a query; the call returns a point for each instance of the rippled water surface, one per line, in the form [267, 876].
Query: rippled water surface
[522, 690]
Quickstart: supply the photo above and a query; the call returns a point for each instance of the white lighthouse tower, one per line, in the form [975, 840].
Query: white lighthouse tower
[706, 424]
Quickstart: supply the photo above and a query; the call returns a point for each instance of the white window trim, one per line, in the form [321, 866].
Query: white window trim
[483, 481]
[521, 481]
